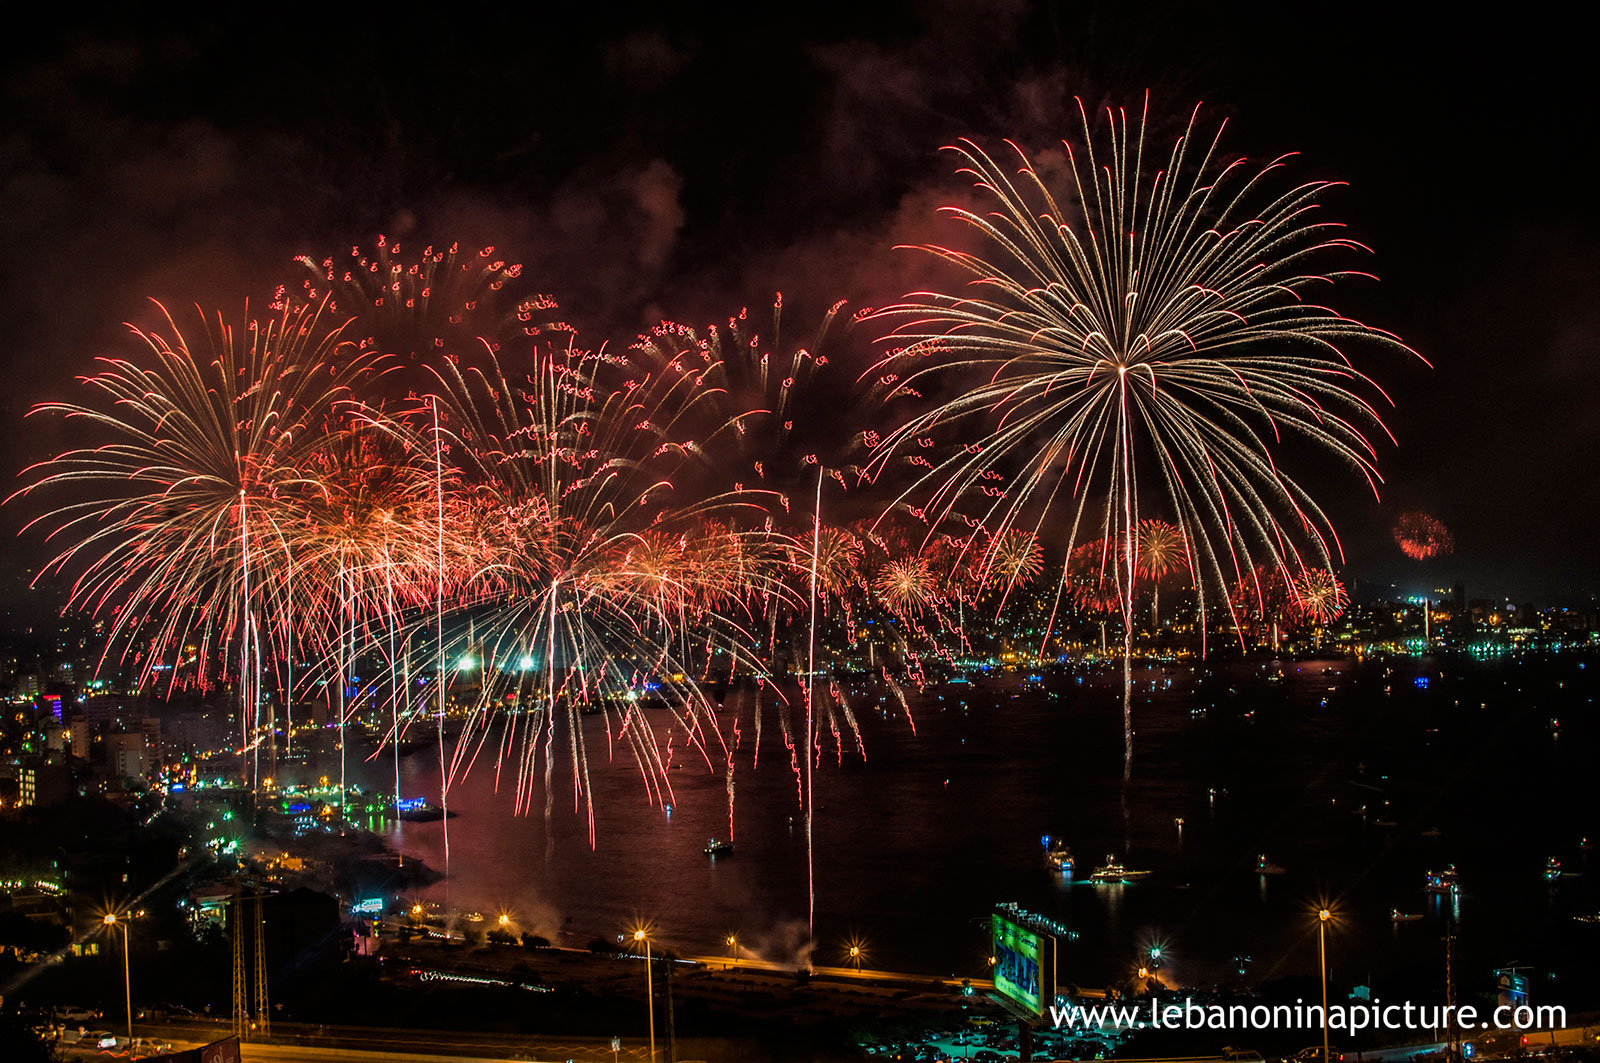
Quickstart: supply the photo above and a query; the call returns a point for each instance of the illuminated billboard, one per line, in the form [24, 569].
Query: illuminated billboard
[1024, 965]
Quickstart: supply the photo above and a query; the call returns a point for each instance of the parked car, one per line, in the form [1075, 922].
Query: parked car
[1314, 1055]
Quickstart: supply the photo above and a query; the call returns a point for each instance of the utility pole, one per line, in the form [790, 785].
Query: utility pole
[240, 998]
[1450, 988]
[672, 1032]
[263, 1015]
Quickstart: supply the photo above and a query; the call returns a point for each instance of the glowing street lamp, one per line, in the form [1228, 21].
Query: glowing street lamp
[110, 922]
[650, 992]
[1324, 916]
[733, 947]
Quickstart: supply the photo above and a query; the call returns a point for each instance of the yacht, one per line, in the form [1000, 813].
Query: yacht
[1397, 916]
[1442, 881]
[1113, 873]
[419, 810]
[1552, 869]
[1059, 857]
[718, 848]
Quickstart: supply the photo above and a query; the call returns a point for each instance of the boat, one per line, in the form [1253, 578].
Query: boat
[718, 848]
[1112, 873]
[419, 810]
[1590, 919]
[1442, 881]
[1552, 869]
[1397, 916]
[1266, 867]
[1059, 857]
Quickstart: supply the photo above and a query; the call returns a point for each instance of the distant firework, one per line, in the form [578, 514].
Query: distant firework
[1160, 549]
[1319, 597]
[1013, 557]
[1421, 536]
[907, 585]
[1091, 577]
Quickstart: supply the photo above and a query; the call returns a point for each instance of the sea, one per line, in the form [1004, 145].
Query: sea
[1350, 780]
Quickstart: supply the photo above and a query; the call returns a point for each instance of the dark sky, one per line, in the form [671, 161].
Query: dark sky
[660, 163]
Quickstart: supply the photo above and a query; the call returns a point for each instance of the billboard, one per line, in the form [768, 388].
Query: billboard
[1024, 965]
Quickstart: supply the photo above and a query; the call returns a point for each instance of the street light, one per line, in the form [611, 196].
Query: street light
[650, 992]
[855, 957]
[733, 948]
[127, 983]
[1323, 917]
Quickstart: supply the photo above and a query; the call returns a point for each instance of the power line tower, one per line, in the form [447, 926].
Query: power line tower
[263, 1015]
[237, 909]
[240, 1000]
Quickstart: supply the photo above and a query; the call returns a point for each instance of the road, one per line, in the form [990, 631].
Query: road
[1489, 1042]
[866, 974]
[304, 1043]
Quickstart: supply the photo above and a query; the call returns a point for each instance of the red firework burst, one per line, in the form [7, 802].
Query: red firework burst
[1422, 535]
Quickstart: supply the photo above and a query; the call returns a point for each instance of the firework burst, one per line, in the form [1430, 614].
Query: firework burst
[907, 585]
[1422, 536]
[1318, 597]
[1158, 321]
[191, 492]
[443, 301]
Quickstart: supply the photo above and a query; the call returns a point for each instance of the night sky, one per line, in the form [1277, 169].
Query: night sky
[662, 164]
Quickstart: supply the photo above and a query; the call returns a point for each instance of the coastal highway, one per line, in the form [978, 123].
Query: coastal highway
[306, 1043]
